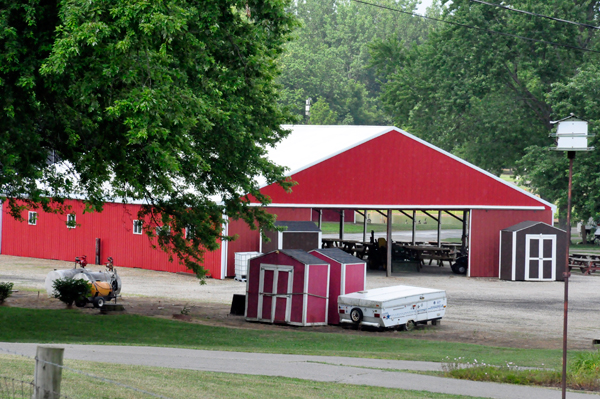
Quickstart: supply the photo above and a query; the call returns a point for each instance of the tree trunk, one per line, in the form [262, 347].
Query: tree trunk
[562, 217]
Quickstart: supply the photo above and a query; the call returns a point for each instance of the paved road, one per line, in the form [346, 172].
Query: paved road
[318, 368]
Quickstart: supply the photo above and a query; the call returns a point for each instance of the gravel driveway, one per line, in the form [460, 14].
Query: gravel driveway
[480, 310]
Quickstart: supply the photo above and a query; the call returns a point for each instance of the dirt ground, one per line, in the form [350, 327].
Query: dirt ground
[480, 310]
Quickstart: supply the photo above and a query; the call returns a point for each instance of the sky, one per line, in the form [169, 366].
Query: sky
[423, 6]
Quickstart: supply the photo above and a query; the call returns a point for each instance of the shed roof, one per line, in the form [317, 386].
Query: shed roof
[303, 256]
[339, 256]
[384, 167]
[298, 226]
[527, 224]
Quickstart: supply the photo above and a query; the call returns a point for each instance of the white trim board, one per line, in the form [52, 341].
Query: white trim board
[404, 207]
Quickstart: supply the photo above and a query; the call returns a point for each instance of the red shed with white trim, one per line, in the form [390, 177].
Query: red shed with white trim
[288, 286]
[347, 274]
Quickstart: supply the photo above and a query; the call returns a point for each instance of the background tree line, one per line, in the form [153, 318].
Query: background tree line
[486, 97]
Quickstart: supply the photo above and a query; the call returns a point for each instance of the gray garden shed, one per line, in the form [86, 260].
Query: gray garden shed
[297, 235]
[532, 251]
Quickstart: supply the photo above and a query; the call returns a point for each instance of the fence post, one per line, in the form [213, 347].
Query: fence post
[47, 377]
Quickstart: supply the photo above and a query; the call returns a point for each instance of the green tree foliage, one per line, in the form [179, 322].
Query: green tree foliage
[170, 103]
[481, 95]
[321, 114]
[330, 58]
[547, 172]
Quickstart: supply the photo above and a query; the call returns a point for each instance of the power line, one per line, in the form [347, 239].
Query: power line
[537, 15]
[477, 28]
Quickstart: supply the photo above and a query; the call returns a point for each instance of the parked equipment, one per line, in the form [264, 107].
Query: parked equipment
[105, 285]
[400, 306]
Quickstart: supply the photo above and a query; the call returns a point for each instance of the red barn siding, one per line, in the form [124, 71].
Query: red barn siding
[397, 170]
[484, 245]
[51, 239]
[331, 215]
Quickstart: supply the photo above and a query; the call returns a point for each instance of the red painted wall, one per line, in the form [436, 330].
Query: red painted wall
[484, 248]
[354, 279]
[51, 239]
[331, 215]
[394, 169]
[316, 304]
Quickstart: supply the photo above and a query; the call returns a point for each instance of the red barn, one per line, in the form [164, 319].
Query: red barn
[350, 168]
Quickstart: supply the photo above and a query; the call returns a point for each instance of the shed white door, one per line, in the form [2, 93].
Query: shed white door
[540, 257]
[274, 297]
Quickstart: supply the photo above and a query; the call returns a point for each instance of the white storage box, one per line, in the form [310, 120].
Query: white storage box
[400, 305]
[241, 264]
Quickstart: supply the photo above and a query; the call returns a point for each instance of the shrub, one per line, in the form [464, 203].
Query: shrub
[69, 290]
[5, 291]
[584, 371]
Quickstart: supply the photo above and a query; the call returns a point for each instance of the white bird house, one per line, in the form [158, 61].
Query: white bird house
[572, 135]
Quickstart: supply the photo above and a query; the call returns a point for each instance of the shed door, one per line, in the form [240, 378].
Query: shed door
[540, 257]
[274, 293]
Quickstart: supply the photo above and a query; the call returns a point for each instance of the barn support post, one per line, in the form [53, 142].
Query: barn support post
[365, 227]
[320, 217]
[414, 226]
[388, 266]
[439, 231]
[98, 260]
[463, 237]
[342, 215]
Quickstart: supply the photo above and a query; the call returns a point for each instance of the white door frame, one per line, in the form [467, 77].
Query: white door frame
[540, 258]
[288, 295]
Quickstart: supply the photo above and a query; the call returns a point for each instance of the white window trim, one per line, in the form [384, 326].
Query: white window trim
[74, 221]
[138, 223]
[34, 220]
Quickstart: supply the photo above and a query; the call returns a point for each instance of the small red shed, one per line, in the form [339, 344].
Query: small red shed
[287, 286]
[347, 274]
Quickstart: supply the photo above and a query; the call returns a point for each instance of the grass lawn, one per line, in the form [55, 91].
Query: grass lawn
[185, 384]
[71, 326]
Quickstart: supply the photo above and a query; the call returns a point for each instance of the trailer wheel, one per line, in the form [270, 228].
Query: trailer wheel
[356, 315]
[98, 302]
[409, 326]
[80, 303]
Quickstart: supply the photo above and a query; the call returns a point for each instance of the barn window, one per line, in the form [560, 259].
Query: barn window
[189, 233]
[137, 227]
[166, 229]
[32, 218]
[71, 221]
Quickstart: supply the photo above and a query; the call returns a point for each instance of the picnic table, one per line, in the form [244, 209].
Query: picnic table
[360, 249]
[587, 263]
[424, 252]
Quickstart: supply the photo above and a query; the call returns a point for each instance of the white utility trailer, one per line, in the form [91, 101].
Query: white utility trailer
[400, 306]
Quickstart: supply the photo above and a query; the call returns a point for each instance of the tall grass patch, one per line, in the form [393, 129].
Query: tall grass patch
[583, 372]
